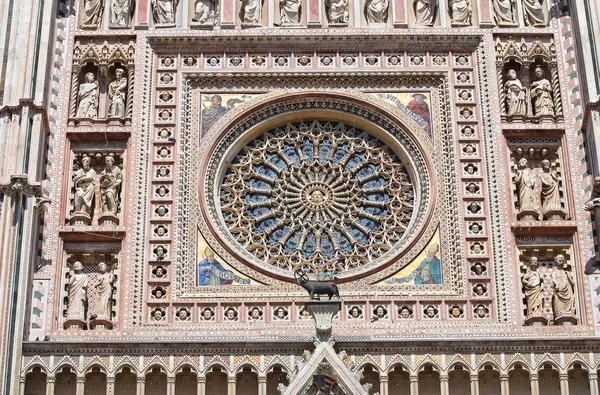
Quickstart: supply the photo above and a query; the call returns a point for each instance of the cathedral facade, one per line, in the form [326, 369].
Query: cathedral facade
[173, 173]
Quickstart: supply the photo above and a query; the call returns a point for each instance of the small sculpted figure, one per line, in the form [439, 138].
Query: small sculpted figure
[377, 11]
[88, 98]
[525, 181]
[541, 94]
[504, 12]
[461, 11]
[205, 12]
[120, 13]
[252, 11]
[164, 11]
[536, 13]
[337, 11]
[116, 95]
[515, 95]
[563, 300]
[550, 188]
[532, 288]
[110, 185]
[425, 11]
[92, 13]
[290, 11]
[84, 188]
[104, 291]
[77, 292]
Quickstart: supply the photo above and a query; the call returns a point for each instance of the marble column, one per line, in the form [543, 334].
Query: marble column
[383, 385]
[564, 384]
[50, 383]
[593, 376]
[22, 385]
[504, 388]
[170, 385]
[141, 386]
[201, 385]
[444, 384]
[110, 385]
[231, 382]
[262, 385]
[80, 388]
[474, 384]
[534, 383]
[414, 384]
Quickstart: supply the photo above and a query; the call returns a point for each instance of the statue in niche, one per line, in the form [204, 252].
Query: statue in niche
[515, 95]
[88, 98]
[563, 300]
[532, 288]
[550, 188]
[504, 12]
[460, 11]
[525, 181]
[92, 13]
[117, 90]
[84, 188]
[425, 11]
[204, 12]
[110, 185]
[337, 11]
[164, 11]
[376, 11]
[120, 13]
[104, 291]
[77, 292]
[252, 12]
[535, 13]
[290, 11]
[541, 94]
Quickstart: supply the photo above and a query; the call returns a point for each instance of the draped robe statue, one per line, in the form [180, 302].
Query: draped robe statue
[92, 13]
[252, 11]
[541, 94]
[377, 11]
[536, 13]
[525, 182]
[88, 98]
[164, 11]
[77, 293]
[120, 13]
[563, 300]
[84, 188]
[110, 185]
[204, 12]
[515, 95]
[104, 291]
[532, 288]
[504, 12]
[290, 11]
[550, 188]
[117, 90]
[461, 11]
[425, 11]
[337, 11]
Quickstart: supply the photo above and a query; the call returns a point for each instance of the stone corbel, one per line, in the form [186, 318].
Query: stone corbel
[19, 184]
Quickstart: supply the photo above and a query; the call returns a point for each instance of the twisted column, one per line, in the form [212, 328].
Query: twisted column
[501, 92]
[558, 108]
[74, 92]
[129, 101]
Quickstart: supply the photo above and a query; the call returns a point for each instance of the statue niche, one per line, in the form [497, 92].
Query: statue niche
[117, 95]
[461, 12]
[533, 293]
[164, 12]
[563, 298]
[504, 12]
[376, 12]
[121, 12]
[91, 14]
[542, 96]
[251, 13]
[338, 12]
[516, 96]
[290, 12]
[205, 13]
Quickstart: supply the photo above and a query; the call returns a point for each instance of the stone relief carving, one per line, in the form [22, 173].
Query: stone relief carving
[425, 11]
[563, 299]
[205, 12]
[117, 91]
[251, 12]
[535, 13]
[551, 201]
[532, 289]
[104, 293]
[527, 198]
[87, 97]
[516, 101]
[541, 94]
[121, 12]
[164, 11]
[461, 12]
[337, 11]
[91, 16]
[504, 12]
[83, 182]
[110, 186]
[77, 293]
[376, 11]
[290, 11]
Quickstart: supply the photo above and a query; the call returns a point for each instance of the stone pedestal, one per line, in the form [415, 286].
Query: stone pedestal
[323, 312]
[565, 319]
[101, 323]
[75, 323]
[554, 215]
[80, 219]
[108, 219]
[528, 215]
[536, 320]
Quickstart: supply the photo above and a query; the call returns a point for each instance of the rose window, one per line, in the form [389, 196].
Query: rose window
[321, 196]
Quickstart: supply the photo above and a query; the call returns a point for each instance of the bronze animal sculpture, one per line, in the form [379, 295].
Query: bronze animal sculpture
[316, 288]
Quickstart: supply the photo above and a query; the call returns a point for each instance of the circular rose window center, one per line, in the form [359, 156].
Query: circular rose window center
[321, 196]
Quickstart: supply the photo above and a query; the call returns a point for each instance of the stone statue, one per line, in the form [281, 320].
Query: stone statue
[337, 11]
[117, 90]
[425, 11]
[164, 11]
[532, 288]
[525, 181]
[541, 94]
[302, 361]
[204, 12]
[252, 12]
[460, 11]
[281, 387]
[88, 98]
[376, 11]
[104, 291]
[110, 185]
[92, 13]
[515, 95]
[77, 293]
[550, 188]
[84, 188]
[535, 13]
[120, 13]
[504, 12]
[290, 11]
[563, 300]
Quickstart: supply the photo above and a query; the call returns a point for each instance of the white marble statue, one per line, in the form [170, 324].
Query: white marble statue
[83, 181]
[290, 11]
[104, 291]
[204, 12]
[117, 90]
[425, 11]
[110, 185]
[535, 13]
[120, 13]
[77, 293]
[92, 13]
[87, 98]
[377, 11]
[515, 95]
[541, 94]
[504, 12]
[252, 12]
[461, 11]
[337, 11]
[164, 11]
[563, 300]
[532, 288]
[550, 188]
[525, 181]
